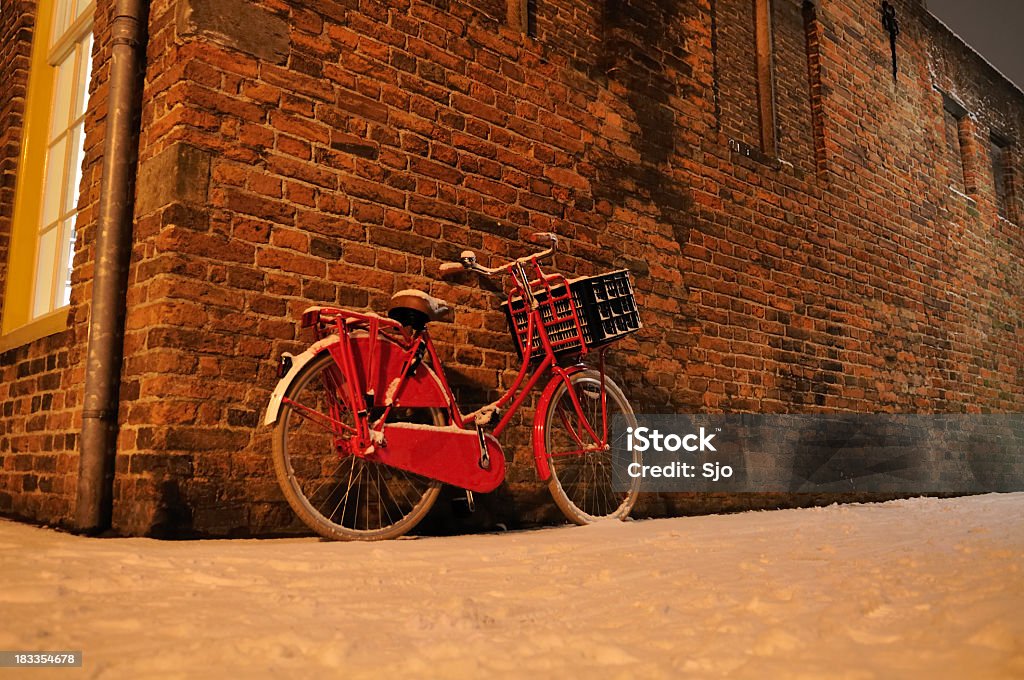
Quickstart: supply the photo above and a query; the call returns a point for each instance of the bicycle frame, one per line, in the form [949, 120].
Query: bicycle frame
[361, 387]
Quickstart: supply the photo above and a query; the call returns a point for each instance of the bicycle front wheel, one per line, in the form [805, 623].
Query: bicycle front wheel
[581, 472]
[338, 495]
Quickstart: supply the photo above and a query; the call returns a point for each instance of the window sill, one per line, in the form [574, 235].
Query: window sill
[742, 151]
[52, 323]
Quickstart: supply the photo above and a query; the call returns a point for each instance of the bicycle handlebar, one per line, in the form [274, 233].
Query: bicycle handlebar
[467, 260]
[448, 268]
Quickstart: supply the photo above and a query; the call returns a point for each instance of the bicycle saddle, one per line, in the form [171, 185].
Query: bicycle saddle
[414, 308]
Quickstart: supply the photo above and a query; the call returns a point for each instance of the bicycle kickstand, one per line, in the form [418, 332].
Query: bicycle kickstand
[457, 502]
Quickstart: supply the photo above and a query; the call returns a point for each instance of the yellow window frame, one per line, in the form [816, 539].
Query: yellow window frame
[17, 327]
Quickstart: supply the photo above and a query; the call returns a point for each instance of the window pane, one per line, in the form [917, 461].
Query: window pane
[45, 261]
[62, 19]
[55, 161]
[64, 83]
[80, 7]
[76, 138]
[85, 74]
[62, 295]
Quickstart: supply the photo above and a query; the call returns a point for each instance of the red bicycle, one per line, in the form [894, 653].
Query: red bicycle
[366, 428]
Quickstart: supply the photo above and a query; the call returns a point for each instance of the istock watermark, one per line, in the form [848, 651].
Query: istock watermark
[832, 453]
[644, 438]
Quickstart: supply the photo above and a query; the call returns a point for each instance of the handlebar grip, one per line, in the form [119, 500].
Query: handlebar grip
[543, 237]
[450, 268]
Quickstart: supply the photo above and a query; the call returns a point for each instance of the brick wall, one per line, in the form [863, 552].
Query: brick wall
[334, 153]
[41, 382]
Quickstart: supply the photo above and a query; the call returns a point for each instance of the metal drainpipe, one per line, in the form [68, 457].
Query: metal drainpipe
[95, 502]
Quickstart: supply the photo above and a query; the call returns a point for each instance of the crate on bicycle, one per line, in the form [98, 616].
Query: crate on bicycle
[590, 311]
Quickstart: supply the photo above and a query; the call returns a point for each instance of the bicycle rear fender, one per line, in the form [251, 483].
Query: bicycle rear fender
[422, 390]
[540, 455]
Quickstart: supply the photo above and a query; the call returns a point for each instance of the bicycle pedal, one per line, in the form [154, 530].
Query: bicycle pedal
[488, 416]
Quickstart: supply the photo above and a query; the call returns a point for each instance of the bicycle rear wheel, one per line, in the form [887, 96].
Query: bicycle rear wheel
[581, 483]
[338, 495]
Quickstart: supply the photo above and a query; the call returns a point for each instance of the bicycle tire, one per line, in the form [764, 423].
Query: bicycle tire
[586, 503]
[300, 447]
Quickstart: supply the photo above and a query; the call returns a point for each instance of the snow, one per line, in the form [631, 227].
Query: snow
[389, 396]
[483, 415]
[916, 588]
[425, 427]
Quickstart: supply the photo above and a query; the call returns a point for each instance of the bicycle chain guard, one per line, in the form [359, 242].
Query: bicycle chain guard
[444, 453]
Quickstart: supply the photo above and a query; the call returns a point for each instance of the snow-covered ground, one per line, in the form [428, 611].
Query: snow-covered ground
[921, 588]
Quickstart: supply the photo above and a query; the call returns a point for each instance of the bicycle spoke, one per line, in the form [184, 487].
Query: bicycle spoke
[385, 507]
[326, 481]
[348, 492]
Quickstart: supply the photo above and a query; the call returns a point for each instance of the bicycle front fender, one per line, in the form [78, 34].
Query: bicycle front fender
[540, 454]
[422, 390]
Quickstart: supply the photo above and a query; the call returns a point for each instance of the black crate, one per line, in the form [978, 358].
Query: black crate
[604, 304]
[608, 305]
